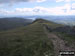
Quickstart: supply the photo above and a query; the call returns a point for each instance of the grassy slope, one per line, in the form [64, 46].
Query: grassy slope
[53, 25]
[68, 37]
[65, 36]
[28, 41]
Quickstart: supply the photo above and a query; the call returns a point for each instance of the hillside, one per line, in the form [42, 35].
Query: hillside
[27, 41]
[39, 38]
[13, 22]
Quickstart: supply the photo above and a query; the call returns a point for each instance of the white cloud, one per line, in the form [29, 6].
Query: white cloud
[73, 6]
[73, 0]
[67, 0]
[1, 5]
[63, 0]
[38, 10]
[67, 7]
[16, 1]
[73, 12]
[59, 0]
[40, 0]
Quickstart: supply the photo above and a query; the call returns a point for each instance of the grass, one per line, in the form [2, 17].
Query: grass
[53, 25]
[26, 41]
[30, 40]
[68, 37]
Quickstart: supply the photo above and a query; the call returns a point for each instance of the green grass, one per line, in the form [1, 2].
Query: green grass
[68, 37]
[26, 41]
[53, 25]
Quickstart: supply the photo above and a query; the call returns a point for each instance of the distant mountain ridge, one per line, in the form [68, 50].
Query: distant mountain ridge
[68, 20]
[14, 22]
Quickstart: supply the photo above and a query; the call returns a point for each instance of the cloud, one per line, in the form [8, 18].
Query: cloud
[8, 1]
[73, 0]
[59, 0]
[67, 0]
[38, 10]
[63, 0]
[73, 6]
[49, 11]
[40, 0]
[15, 1]
[1, 5]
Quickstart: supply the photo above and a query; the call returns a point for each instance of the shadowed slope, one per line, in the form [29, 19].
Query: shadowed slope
[13, 22]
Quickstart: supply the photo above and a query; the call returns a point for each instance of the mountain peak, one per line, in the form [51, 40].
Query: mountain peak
[40, 20]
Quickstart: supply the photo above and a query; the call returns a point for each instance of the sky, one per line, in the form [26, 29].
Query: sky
[36, 7]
